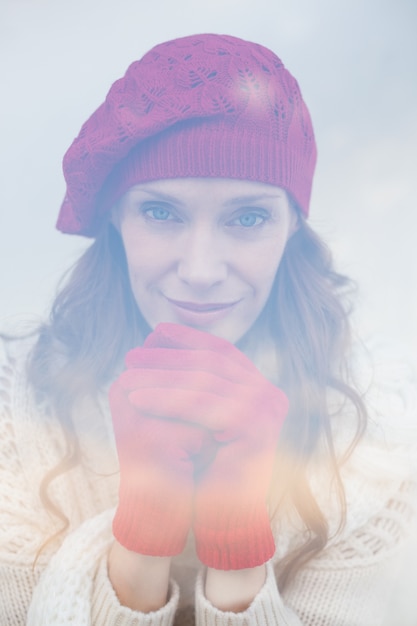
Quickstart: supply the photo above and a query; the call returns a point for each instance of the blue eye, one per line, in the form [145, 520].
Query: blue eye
[158, 213]
[250, 219]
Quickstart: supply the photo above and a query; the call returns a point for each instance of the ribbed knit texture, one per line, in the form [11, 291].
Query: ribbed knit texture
[346, 586]
[236, 541]
[137, 525]
[203, 105]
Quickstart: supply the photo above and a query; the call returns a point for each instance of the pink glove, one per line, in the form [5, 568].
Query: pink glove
[154, 513]
[208, 382]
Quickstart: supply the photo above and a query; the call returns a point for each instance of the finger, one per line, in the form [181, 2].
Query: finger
[190, 360]
[166, 380]
[173, 439]
[176, 336]
[200, 408]
[159, 434]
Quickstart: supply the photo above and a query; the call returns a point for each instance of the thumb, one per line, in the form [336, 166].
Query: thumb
[176, 336]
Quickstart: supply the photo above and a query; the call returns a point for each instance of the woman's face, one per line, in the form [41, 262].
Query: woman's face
[204, 252]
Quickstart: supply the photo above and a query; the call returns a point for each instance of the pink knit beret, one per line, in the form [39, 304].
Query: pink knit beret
[203, 105]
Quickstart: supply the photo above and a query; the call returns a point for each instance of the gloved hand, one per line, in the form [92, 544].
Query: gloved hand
[154, 513]
[206, 381]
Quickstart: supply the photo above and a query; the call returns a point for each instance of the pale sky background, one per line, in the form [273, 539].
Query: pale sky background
[356, 62]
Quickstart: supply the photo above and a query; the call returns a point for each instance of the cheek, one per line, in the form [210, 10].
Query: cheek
[138, 267]
[263, 264]
[143, 258]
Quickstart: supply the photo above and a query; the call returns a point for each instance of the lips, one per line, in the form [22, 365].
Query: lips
[205, 307]
[201, 314]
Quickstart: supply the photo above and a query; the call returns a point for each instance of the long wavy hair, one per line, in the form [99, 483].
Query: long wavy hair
[306, 320]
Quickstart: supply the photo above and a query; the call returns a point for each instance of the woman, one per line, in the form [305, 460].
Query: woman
[194, 414]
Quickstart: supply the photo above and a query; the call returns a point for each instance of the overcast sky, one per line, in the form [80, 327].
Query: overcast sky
[356, 64]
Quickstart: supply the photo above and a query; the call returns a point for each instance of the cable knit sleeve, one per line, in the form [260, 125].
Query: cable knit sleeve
[18, 524]
[348, 584]
[75, 585]
[351, 581]
[66, 582]
[267, 609]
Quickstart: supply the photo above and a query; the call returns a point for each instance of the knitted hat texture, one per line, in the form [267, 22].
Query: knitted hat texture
[199, 106]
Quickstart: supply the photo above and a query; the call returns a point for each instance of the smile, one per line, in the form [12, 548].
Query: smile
[201, 314]
[198, 307]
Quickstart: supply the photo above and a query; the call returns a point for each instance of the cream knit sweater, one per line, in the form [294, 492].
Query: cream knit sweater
[346, 586]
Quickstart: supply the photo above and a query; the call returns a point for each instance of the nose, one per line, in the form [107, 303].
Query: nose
[202, 262]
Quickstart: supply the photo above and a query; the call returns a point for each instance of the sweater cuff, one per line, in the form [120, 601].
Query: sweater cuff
[266, 609]
[107, 610]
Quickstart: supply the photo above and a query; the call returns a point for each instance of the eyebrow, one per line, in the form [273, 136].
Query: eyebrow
[231, 202]
[155, 194]
[253, 198]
